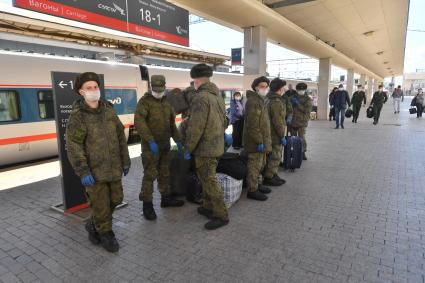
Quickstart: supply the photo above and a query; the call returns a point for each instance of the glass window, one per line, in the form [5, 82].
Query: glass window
[45, 104]
[9, 106]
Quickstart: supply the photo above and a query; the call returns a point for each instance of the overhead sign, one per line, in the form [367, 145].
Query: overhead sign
[155, 19]
[64, 96]
[236, 56]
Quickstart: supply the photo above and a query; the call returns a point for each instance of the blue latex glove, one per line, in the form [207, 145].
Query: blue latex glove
[125, 171]
[260, 147]
[289, 120]
[295, 101]
[180, 146]
[186, 156]
[153, 147]
[88, 181]
[283, 141]
[228, 140]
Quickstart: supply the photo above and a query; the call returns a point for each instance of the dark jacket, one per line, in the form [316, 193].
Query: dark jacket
[341, 99]
[331, 97]
[96, 143]
[236, 110]
[379, 98]
[358, 97]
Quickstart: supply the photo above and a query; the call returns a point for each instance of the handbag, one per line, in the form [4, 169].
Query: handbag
[412, 110]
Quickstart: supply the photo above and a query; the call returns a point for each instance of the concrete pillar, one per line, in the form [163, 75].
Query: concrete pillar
[363, 80]
[255, 53]
[323, 88]
[350, 81]
[369, 88]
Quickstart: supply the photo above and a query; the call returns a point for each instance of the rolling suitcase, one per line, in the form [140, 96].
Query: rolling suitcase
[293, 153]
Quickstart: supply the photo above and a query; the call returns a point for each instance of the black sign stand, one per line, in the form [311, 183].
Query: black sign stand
[64, 95]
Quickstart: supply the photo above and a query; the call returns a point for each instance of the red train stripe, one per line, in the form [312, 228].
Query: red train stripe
[49, 86]
[33, 138]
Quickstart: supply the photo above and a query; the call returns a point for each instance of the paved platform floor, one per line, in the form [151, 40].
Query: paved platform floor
[355, 212]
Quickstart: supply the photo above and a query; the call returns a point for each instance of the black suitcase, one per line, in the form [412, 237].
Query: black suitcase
[179, 170]
[293, 153]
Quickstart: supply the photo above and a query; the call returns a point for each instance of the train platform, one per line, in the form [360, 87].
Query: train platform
[355, 212]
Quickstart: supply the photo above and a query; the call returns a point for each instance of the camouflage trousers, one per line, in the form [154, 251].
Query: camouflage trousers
[155, 167]
[255, 166]
[300, 132]
[274, 158]
[213, 198]
[103, 198]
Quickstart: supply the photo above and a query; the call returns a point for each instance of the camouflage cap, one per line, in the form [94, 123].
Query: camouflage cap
[158, 83]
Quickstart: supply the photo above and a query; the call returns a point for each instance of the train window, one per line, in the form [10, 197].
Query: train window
[45, 104]
[9, 106]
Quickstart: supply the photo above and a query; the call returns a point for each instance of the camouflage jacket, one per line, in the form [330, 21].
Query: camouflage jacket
[276, 108]
[379, 98]
[155, 121]
[358, 97]
[301, 114]
[96, 142]
[256, 128]
[206, 123]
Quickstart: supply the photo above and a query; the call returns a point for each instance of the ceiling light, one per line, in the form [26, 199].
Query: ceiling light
[369, 33]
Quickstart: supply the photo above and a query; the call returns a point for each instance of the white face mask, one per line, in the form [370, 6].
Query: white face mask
[158, 95]
[341, 88]
[301, 92]
[420, 92]
[263, 91]
[91, 95]
[238, 98]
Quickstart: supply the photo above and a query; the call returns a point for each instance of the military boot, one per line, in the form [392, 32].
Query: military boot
[109, 242]
[272, 182]
[170, 201]
[205, 212]
[93, 234]
[148, 211]
[264, 190]
[257, 196]
[216, 223]
[283, 181]
[304, 156]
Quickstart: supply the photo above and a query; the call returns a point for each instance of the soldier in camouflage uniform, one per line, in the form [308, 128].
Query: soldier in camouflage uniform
[301, 104]
[256, 137]
[204, 140]
[356, 101]
[155, 122]
[278, 114]
[188, 94]
[379, 98]
[98, 153]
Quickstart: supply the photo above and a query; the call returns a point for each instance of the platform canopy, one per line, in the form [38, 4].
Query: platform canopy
[368, 36]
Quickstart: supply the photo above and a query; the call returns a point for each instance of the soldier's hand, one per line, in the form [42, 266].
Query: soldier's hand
[125, 171]
[289, 120]
[153, 147]
[186, 156]
[180, 146]
[88, 181]
[260, 147]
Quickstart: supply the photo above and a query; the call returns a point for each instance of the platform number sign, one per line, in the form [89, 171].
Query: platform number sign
[64, 96]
